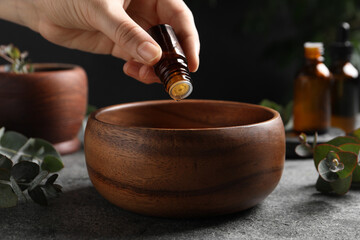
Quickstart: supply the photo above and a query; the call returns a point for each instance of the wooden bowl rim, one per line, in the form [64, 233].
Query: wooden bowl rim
[60, 67]
[93, 115]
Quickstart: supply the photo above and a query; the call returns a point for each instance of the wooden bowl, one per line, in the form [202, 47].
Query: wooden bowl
[192, 158]
[49, 103]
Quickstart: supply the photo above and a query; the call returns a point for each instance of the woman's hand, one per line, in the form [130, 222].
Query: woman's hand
[116, 27]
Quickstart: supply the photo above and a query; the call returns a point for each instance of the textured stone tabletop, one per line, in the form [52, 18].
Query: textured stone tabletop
[294, 210]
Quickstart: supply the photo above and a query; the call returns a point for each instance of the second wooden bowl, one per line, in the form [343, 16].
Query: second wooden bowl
[49, 103]
[192, 158]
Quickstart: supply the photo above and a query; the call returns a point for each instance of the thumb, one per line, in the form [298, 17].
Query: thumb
[131, 41]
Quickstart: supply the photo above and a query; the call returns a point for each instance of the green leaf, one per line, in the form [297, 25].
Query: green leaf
[51, 190]
[341, 186]
[7, 197]
[48, 149]
[327, 168]
[15, 53]
[58, 188]
[271, 104]
[52, 164]
[5, 162]
[349, 160]
[323, 186]
[38, 196]
[5, 168]
[356, 174]
[351, 147]
[321, 150]
[13, 140]
[356, 133]
[4, 174]
[303, 138]
[90, 109]
[52, 179]
[26, 171]
[304, 150]
[287, 112]
[343, 140]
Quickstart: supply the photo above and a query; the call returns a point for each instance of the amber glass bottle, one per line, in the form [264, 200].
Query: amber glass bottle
[172, 69]
[312, 93]
[345, 96]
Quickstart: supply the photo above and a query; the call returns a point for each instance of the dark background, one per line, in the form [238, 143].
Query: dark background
[250, 50]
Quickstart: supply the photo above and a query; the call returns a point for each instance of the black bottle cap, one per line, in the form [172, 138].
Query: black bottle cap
[342, 49]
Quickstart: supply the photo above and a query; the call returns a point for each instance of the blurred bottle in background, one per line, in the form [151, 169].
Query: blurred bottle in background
[345, 92]
[312, 92]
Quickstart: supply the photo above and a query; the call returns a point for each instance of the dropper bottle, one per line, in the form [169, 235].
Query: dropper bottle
[172, 69]
[312, 92]
[345, 95]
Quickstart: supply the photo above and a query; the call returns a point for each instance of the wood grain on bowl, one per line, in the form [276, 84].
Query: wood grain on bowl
[49, 103]
[185, 159]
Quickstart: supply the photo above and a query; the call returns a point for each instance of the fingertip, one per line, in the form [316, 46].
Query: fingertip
[140, 72]
[194, 63]
[147, 75]
[132, 68]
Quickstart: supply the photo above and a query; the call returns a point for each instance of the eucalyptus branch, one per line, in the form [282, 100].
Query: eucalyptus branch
[26, 168]
[18, 61]
[4, 56]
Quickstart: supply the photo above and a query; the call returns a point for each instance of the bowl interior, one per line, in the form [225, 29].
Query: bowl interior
[187, 114]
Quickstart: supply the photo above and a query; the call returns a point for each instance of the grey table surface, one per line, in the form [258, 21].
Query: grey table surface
[294, 210]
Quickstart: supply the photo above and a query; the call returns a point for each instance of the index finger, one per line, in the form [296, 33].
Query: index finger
[178, 15]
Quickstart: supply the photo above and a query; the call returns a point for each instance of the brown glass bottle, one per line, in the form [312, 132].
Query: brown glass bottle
[345, 95]
[312, 93]
[172, 69]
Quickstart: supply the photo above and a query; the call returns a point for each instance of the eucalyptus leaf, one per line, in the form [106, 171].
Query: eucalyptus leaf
[341, 186]
[14, 53]
[287, 112]
[52, 179]
[51, 191]
[327, 166]
[356, 174]
[12, 140]
[349, 160]
[323, 186]
[48, 149]
[343, 140]
[356, 133]
[321, 151]
[4, 174]
[303, 138]
[38, 196]
[25, 170]
[351, 147]
[7, 197]
[304, 150]
[5, 162]
[20, 168]
[58, 188]
[52, 164]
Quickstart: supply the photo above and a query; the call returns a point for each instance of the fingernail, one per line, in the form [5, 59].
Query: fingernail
[148, 51]
[132, 69]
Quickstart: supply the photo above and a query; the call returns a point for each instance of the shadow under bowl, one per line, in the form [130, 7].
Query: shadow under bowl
[193, 158]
